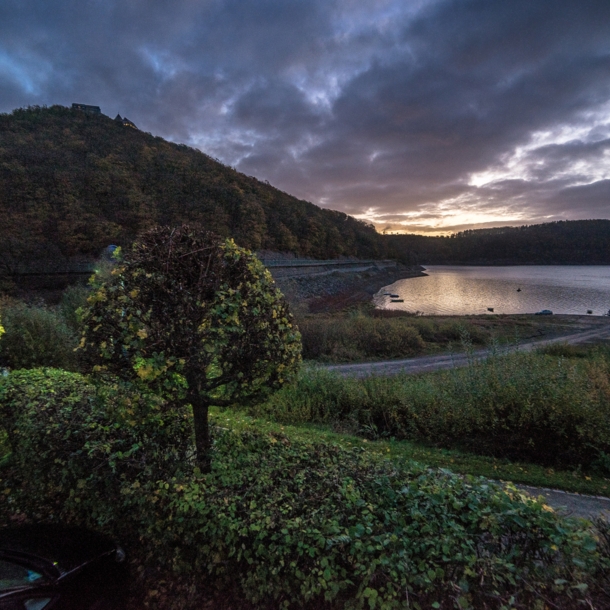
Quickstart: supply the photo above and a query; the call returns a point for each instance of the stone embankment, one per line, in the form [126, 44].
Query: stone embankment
[330, 285]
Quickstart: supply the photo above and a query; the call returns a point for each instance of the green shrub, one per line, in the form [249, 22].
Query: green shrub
[72, 299]
[358, 337]
[521, 406]
[193, 316]
[60, 424]
[306, 524]
[283, 523]
[36, 336]
[602, 530]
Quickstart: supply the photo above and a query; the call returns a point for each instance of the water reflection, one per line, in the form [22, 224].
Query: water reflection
[454, 290]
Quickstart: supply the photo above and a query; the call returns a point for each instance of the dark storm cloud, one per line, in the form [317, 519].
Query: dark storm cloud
[430, 113]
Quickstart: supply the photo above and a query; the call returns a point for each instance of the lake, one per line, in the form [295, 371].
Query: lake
[462, 290]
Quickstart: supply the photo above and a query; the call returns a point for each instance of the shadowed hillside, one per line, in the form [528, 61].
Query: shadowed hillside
[71, 183]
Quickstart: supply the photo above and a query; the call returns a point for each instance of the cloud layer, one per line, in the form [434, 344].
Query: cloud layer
[427, 115]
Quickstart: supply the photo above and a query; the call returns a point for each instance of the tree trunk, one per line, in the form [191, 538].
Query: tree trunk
[202, 436]
[203, 443]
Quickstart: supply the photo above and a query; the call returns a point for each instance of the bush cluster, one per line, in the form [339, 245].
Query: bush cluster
[59, 424]
[521, 406]
[37, 335]
[283, 523]
[358, 335]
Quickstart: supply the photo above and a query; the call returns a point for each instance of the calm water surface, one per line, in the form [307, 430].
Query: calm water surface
[453, 290]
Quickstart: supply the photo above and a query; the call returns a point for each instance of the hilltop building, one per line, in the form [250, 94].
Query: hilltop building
[124, 121]
[87, 108]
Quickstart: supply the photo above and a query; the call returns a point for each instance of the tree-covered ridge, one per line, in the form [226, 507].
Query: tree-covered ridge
[71, 183]
[563, 242]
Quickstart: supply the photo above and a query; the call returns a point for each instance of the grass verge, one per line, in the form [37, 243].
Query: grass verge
[461, 462]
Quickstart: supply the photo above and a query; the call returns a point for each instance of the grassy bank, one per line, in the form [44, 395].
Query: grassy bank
[369, 334]
[571, 479]
[550, 410]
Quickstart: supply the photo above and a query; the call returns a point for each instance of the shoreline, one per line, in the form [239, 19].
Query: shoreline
[336, 291]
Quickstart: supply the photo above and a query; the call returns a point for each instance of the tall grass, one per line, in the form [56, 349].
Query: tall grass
[523, 406]
[358, 336]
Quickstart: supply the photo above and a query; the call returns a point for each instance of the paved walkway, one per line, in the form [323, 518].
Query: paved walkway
[571, 504]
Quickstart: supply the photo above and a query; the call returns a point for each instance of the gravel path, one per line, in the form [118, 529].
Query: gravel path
[424, 364]
[568, 504]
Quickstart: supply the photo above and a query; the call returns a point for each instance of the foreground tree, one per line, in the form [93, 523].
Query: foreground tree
[195, 317]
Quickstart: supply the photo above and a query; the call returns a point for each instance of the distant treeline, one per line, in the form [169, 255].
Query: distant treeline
[580, 242]
[72, 183]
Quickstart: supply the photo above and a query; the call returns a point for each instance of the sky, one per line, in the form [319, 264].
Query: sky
[421, 116]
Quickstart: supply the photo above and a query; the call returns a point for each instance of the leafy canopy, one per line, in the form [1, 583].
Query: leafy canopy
[192, 314]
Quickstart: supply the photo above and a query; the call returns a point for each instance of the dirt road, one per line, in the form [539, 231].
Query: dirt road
[598, 329]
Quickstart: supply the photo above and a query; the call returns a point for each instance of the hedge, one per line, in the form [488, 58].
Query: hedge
[282, 524]
[36, 336]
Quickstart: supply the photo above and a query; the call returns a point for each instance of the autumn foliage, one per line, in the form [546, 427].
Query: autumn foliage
[72, 183]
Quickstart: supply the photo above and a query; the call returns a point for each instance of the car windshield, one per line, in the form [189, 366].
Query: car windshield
[15, 575]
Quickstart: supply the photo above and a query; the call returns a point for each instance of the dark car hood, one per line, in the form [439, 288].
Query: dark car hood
[65, 547]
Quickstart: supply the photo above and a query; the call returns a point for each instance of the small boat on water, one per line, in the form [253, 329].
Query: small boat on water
[518, 289]
[490, 309]
[589, 311]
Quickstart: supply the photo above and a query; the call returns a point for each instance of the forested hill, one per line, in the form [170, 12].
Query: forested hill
[579, 242]
[71, 183]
